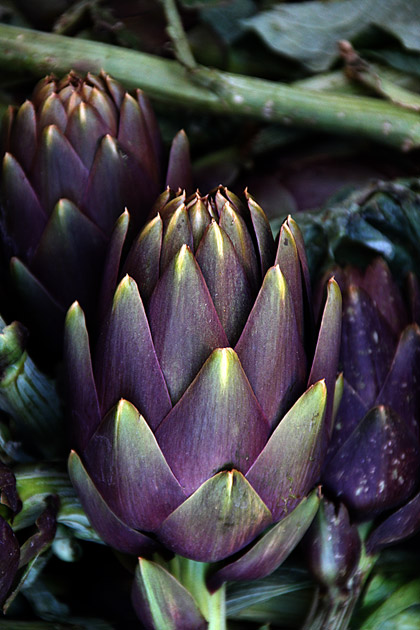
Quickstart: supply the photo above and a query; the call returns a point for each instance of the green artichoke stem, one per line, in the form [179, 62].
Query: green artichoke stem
[192, 575]
[28, 395]
[211, 90]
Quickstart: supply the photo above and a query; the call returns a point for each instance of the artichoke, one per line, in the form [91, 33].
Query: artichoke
[380, 219]
[203, 417]
[372, 471]
[75, 155]
[374, 462]
[30, 398]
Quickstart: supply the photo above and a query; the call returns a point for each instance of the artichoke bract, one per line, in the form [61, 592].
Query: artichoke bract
[203, 417]
[75, 155]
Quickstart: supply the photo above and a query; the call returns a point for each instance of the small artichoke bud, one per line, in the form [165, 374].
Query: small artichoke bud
[333, 546]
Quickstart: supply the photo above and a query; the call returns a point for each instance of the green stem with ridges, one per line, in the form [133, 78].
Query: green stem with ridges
[211, 90]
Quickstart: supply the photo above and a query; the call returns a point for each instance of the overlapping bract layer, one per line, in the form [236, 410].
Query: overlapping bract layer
[374, 461]
[75, 155]
[204, 417]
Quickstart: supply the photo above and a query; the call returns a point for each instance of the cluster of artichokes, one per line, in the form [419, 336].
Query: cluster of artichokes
[202, 386]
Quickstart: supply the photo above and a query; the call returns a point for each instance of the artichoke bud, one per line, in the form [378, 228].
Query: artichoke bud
[12, 349]
[28, 395]
[374, 453]
[199, 422]
[75, 156]
[226, 241]
[332, 546]
[413, 292]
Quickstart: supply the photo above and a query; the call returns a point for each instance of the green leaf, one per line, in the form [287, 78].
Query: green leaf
[197, 4]
[407, 620]
[400, 60]
[243, 595]
[379, 79]
[380, 218]
[309, 31]
[35, 483]
[29, 395]
[402, 599]
[225, 17]
[285, 595]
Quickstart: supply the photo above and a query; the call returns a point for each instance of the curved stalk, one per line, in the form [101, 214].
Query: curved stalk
[211, 90]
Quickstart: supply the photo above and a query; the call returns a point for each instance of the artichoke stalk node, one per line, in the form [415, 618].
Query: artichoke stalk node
[201, 415]
[29, 396]
[74, 157]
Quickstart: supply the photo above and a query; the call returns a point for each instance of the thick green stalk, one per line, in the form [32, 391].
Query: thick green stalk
[210, 90]
[192, 575]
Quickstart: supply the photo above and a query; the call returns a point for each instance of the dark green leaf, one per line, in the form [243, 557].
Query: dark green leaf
[309, 31]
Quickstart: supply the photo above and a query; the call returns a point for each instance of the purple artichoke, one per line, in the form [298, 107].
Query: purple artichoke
[203, 417]
[75, 156]
[374, 462]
